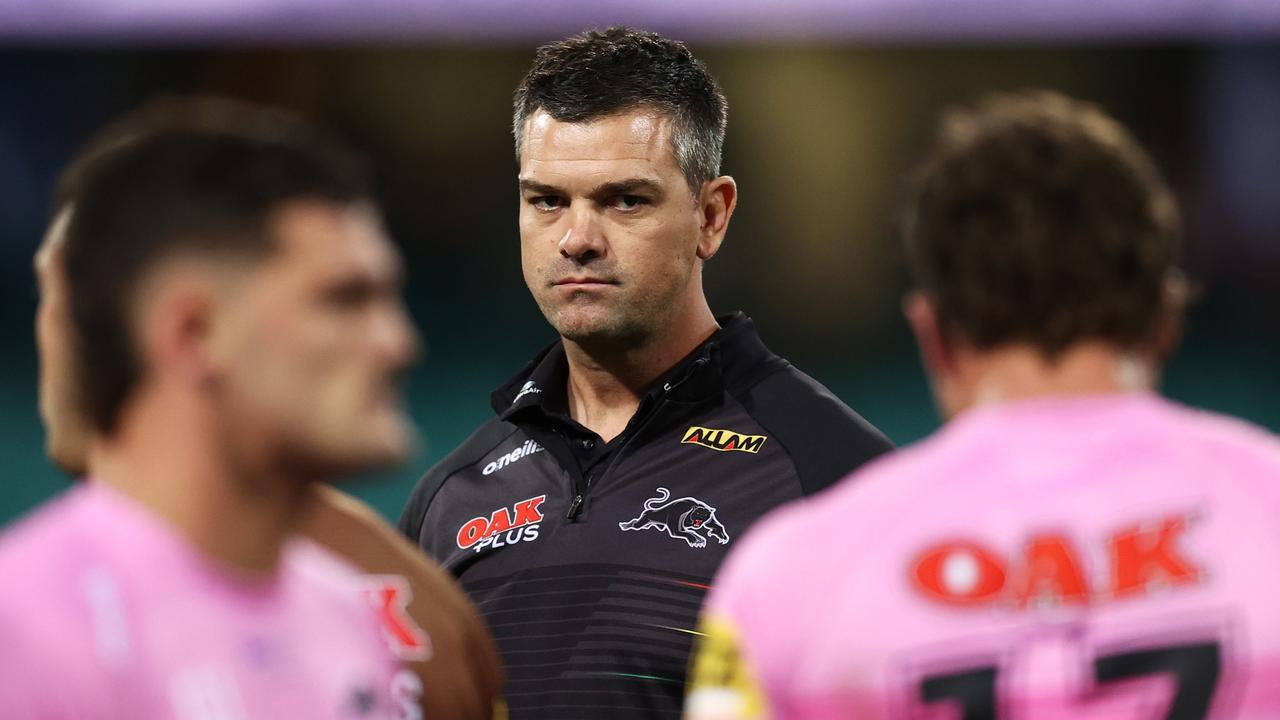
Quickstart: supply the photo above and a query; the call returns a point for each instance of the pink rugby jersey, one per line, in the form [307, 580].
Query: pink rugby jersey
[105, 612]
[1112, 557]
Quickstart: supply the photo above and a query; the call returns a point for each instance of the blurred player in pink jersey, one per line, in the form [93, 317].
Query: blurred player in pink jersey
[236, 331]
[1070, 545]
[451, 669]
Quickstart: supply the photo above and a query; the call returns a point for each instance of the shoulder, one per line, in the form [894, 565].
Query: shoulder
[469, 452]
[322, 570]
[46, 520]
[334, 599]
[330, 590]
[825, 437]
[1240, 438]
[803, 543]
[50, 654]
[40, 546]
[399, 577]
[848, 506]
[357, 533]
[1241, 455]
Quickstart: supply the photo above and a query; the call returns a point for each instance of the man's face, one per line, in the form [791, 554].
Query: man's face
[314, 341]
[609, 228]
[66, 431]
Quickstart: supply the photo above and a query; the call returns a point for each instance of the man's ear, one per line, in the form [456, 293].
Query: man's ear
[1168, 332]
[175, 329]
[922, 317]
[716, 203]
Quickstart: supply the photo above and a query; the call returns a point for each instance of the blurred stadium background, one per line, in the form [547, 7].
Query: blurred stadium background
[830, 102]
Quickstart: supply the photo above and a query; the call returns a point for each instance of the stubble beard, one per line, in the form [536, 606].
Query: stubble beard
[605, 328]
[630, 316]
[626, 324]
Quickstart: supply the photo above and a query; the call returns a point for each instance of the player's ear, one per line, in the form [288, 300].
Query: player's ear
[1168, 332]
[176, 323]
[922, 317]
[716, 203]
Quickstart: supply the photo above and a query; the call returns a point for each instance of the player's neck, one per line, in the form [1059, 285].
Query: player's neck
[1021, 372]
[606, 384]
[169, 459]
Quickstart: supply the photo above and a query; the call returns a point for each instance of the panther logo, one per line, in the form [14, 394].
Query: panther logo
[682, 519]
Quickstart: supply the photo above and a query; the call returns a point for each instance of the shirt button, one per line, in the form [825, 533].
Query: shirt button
[588, 444]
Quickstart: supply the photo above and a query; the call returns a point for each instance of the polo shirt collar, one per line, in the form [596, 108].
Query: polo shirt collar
[540, 388]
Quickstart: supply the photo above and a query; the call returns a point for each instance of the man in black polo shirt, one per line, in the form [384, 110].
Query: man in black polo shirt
[587, 518]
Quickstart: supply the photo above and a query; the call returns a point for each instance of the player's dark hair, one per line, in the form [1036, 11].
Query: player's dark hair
[605, 72]
[199, 175]
[1038, 219]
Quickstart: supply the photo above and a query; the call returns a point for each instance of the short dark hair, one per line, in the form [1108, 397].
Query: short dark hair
[604, 72]
[1038, 219]
[180, 175]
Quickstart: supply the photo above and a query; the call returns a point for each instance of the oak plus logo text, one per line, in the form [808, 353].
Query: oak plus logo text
[504, 526]
[1051, 568]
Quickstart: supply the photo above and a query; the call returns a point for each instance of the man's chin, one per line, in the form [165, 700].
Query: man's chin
[352, 462]
[362, 452]
[392, 444]
[588, 330]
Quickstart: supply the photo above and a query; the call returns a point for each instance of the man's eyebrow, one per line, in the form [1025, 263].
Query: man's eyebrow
[603, 190]
[626, 187]
[366, 283]
[532, 186]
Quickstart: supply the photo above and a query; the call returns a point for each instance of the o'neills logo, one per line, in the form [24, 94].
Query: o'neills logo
[723, 440]
[505, 526]
[528, 448]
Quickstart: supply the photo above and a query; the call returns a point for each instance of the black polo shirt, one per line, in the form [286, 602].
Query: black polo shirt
[589, 560]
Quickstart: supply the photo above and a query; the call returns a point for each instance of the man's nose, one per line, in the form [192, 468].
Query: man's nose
[584, 238]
